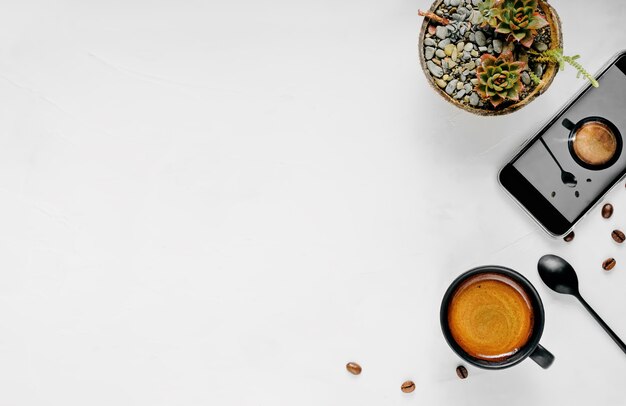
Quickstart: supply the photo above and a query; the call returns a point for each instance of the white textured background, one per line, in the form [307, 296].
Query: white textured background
[223, 202]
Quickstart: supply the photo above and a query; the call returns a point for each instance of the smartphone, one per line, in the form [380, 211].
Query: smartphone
[562, 172]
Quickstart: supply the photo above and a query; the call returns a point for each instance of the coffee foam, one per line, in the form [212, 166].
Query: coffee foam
[490, 316]
[595, 143]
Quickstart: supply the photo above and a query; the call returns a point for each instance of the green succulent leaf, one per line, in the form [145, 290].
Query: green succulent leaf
[499, 79]
[518, 18]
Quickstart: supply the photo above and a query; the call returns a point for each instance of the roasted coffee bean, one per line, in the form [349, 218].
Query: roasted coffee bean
[461, 372]
[618, 236]
[607, 210]
[408, 387]
[569, 237]
[608, 264]
[353, 368]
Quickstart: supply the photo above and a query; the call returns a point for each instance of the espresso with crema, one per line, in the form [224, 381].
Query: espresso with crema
[490, 316]
[595, 143]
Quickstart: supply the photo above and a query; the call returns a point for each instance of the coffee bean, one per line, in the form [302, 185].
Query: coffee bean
[618, 236]
[353, 368]
[608, 264]
[607, 210]
[569, 237]
[408, 387]
[461, 372]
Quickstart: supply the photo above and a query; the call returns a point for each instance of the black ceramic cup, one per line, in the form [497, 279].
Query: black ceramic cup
[531, 349]
[573, 130]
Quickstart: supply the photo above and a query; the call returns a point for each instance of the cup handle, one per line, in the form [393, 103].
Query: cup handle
[568, 124]
[542, 357]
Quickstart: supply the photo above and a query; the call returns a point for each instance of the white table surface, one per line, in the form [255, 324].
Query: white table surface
[223, 202]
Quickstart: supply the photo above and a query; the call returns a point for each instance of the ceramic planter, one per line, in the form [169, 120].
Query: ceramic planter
[556, 39]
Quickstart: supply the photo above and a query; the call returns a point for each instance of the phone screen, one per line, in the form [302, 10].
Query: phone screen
[579, 157]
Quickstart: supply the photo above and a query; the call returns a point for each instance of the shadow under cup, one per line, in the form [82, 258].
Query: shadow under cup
[530, 348]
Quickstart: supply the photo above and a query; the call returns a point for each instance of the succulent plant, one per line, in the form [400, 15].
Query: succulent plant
[499, 79]
[517, 18]
[489, 9]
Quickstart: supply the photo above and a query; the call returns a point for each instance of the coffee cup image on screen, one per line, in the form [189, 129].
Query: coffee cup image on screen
[581, 154]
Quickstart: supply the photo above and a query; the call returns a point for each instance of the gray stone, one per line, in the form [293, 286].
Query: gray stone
[540, 46]
[463, 77]
[457, 17]
[482, 49]
[451, 86]
[475, 17]
[446, 2]
[476, 2]
[472, 37]
[460, 94]
[443, 43]
[435, 70]
[469, 46]
[439, 12]
[442, 32]
[467, 88]
[474, 81]
[440, 53]
[474, 99]
[481, 40]
[525, 78]
[455, 3]
[429, 52]
[464, 14]
[466, 56]
[497, 45]
[462, 30]
[429, 42]
[538, 70]
[444, 65]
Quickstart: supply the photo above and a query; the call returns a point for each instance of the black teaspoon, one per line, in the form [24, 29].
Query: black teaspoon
[568, 178]
[559, 275]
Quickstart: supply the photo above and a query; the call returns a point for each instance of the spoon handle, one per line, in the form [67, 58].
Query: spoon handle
[606, 328]
[551, 154]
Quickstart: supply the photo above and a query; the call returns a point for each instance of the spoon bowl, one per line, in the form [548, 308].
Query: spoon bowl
[569, 179]
[561, 277]
[558, 275]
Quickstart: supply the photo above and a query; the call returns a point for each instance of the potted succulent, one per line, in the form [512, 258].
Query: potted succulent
[492, 57]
